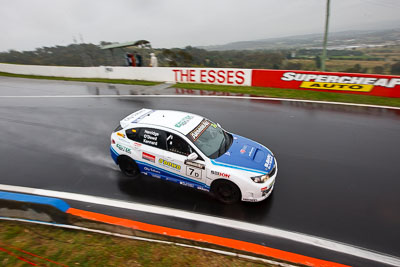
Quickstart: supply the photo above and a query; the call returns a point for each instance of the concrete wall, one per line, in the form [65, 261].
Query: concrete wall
[190, 75]
[348, 83]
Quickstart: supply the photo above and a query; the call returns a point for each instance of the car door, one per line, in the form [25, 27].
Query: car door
[190, 173]
[148, 145]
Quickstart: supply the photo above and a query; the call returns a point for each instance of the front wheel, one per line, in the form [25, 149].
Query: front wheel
[128, 166]
[226, 191]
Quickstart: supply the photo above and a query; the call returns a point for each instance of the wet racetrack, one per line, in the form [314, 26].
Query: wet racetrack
[338, 166]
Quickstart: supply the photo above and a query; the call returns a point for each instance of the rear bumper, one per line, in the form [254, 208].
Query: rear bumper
[114, 154]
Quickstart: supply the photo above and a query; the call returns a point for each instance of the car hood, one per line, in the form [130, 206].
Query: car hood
[247, 155]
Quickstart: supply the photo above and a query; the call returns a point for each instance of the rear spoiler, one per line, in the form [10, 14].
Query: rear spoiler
[135, 117]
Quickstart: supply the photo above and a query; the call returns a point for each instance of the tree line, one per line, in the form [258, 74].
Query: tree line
[92, 55]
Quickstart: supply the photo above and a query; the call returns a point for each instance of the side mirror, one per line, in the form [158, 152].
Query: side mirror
[192, 157]
[190, 161]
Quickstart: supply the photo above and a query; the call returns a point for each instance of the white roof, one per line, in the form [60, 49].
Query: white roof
[182, 122]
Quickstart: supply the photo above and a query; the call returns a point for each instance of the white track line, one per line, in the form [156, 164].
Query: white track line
[222, 252]
[275, 232]
[203, 96]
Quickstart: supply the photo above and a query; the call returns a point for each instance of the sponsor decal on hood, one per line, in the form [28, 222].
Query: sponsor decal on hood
[247, 155]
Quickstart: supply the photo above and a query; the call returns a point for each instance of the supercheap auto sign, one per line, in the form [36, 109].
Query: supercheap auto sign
[351, 83]
[367, 84]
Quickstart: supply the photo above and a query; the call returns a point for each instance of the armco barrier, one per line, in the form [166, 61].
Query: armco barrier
[364, 84]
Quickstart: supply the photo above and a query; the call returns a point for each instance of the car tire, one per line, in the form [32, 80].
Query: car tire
[128, 166]
[226, 191]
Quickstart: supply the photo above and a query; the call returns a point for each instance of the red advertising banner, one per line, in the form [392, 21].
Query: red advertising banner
[349, 83]
[213, 76]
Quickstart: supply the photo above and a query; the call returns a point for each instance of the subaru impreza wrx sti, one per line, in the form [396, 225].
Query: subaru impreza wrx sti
[193, 151]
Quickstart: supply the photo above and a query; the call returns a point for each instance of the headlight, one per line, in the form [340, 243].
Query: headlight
[260, 179]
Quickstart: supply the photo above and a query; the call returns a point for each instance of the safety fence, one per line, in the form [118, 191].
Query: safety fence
[352, 83]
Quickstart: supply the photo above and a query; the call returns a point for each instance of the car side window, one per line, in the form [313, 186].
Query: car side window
[132, 134]
[151, 137]
[178, 145]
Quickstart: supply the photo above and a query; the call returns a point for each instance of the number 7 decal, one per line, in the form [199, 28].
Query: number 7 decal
[193, 172]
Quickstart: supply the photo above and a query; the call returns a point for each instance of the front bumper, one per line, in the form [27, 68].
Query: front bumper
[262, 191]
[260, 196]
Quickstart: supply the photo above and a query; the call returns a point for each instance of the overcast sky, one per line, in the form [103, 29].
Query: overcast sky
[29, 24]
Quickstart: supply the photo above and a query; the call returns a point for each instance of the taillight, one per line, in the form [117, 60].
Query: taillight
[113, 141]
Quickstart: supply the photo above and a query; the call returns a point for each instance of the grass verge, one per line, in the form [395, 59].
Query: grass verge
[80, 248]
[295, 94]
[96, 80]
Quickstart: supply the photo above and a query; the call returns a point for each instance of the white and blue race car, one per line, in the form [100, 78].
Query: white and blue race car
[191, 150]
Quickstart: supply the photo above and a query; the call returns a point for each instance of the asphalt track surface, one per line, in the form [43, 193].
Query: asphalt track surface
[338, 166]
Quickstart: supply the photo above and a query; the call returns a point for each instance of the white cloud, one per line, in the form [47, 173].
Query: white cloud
[26, 24]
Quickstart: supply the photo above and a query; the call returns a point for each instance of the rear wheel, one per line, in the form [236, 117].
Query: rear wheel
[226, 191]
[128, 166]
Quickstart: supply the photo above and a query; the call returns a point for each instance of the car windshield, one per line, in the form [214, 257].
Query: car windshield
[211, 139]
